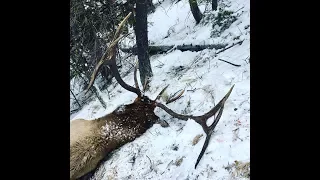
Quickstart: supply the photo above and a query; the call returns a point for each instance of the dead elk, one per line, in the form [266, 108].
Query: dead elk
[92, 140]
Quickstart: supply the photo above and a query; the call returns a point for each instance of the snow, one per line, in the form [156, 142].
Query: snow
[205, 80]
[113, 127]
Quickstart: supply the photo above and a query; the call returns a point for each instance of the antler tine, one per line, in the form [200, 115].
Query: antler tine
[208, 131]
[119, 29]
[145, 84]
[109, 53]
[202, 120]
[135, 76]
[161, 92]
[216, 108]
[110, 57]
[172, 99]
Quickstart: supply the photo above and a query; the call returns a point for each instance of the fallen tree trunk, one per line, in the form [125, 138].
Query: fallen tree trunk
[162, 49]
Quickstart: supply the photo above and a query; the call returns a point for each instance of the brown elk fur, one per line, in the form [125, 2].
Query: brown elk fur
[92, 140]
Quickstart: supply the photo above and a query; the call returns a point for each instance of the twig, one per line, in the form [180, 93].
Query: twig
[229, 62]
[192, 90]
[75, 99]
[239, 9]
[169, 164]
[164, 10]
[177, 1]
[172, 49]
[161, 63]
[246, 59]
[150, 161]
[240, 42]
[239, 30]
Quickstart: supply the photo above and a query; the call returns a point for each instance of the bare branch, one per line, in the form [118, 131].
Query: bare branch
[229, 62]
[239, 42]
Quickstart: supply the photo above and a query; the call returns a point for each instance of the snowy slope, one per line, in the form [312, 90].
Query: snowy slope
[156, 154]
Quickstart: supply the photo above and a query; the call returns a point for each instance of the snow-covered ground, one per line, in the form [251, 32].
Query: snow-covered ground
[168, 153]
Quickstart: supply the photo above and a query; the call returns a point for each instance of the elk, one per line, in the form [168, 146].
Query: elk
[92, 140]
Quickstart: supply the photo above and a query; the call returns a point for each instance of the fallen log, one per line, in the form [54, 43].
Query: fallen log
[163, 49]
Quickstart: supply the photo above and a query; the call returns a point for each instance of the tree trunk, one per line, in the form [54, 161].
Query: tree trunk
[195, 10]
[214, 5]
[141, 30]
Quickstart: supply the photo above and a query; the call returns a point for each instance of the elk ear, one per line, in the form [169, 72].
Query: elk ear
[137, 99]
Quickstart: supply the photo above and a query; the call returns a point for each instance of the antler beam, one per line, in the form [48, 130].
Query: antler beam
[201, 119]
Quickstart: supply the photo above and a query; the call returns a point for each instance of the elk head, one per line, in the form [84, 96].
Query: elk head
[91, 141]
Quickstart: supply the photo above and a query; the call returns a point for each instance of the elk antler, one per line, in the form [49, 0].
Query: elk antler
[114, 69]
[201, 120]
[110, 58]
[175, 97]
[161, 92]
[172, 98]
[135, 76]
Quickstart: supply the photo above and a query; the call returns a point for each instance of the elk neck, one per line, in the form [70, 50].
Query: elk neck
[128, 122]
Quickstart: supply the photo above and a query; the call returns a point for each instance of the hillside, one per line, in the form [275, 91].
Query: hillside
[168, 153]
